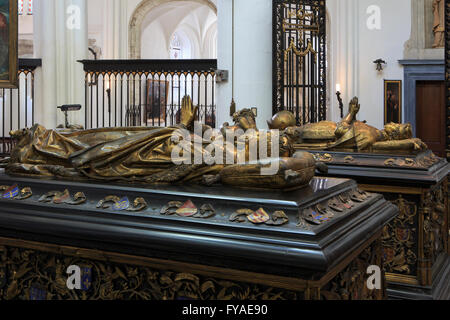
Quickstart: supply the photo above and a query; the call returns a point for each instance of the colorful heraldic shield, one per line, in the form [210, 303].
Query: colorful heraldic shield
[86, 278]
[11, 192]
[122, 204]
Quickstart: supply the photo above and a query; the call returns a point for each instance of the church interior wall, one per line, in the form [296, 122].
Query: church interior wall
[343, 197]
[352, 46]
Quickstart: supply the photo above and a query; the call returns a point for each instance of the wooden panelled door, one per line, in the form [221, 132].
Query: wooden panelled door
[430, 115]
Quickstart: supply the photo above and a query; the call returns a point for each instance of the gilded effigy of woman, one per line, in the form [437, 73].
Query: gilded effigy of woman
[144, 155]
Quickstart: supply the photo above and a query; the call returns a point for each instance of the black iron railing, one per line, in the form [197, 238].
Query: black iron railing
[147, 92]
[17, 105]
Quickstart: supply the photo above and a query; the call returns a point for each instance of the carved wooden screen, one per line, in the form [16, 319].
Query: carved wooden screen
[447, 70]
[299, 49]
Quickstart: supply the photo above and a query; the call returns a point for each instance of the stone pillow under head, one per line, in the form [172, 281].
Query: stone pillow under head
[324, 130]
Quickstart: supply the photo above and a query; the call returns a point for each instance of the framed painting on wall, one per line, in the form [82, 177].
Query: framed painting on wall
[8, 43]
[392, 101]
[157, 95]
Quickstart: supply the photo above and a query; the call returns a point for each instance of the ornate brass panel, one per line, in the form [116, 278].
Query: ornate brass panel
[351, 283]
[413, 242]
[28, 273]
[400, 238]
[434, 226]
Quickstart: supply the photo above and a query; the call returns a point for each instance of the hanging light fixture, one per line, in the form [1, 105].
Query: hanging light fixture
[379, 63]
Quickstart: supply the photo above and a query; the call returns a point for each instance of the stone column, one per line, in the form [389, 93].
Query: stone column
[45, 80]
[115, 30]
[252, 57]
[224, 60]
[344, 35]
[60, 40]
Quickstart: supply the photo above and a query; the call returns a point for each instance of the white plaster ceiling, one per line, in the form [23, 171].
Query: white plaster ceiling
[195, 20]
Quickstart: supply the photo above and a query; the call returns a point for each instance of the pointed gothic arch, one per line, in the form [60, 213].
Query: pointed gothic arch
[138, 16]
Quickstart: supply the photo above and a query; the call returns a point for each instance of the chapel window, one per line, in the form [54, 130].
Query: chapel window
[25, 7]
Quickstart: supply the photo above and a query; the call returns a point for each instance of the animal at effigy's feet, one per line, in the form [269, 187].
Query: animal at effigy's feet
[145, 155]
[349, 134]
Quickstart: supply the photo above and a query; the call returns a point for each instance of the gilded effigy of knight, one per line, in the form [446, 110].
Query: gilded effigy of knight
[145, 155]
[349, 134]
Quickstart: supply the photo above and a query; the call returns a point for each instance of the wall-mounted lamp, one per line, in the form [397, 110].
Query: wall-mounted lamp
[379, 63]
[341, 104]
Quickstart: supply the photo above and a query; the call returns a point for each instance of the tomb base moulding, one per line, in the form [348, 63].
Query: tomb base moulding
[416, 242]
[216, 246]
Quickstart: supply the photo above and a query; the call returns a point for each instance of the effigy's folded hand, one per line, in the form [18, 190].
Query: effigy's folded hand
[188, 112]
[354, 106]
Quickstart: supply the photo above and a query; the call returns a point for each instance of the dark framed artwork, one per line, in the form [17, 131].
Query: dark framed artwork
[393, 101]
[8, 44]
[157, 95]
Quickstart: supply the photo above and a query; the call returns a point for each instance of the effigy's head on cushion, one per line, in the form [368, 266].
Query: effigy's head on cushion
[395, 131]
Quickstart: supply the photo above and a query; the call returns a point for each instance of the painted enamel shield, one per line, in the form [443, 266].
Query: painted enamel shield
[122, 204]
[187, 210]
[62, 197]
[11, 192]
[388, 254]
[258, 217]
[86, 278]
[403, 235]
[37, 293]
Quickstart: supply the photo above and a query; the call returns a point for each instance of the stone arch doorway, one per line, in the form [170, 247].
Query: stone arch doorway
[138, 16]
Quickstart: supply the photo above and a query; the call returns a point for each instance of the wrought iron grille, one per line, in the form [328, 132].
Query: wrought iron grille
[299, 49]
[17, 108]
[147, 92]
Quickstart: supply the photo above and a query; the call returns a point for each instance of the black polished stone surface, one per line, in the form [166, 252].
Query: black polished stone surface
[373, 168]
[283, 250]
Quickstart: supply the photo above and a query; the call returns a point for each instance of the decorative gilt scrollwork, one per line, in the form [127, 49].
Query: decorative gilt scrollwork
[425, 162]
[32, 275]
[27, 274]
[300, 15]
[122, 204]
[435, 234]
[305, 21]
[351, 284]
[64, 197]
[324, 212]
[326, 157]
[399, 239]
[188, 209]
[260, 216]
[349, 159]
[301, 53]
